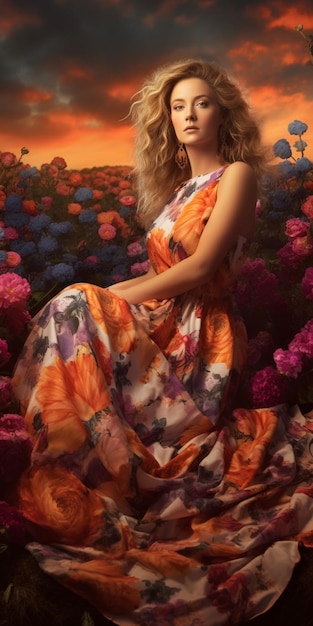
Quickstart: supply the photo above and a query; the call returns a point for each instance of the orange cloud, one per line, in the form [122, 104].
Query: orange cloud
[34, 95]
[11, 18]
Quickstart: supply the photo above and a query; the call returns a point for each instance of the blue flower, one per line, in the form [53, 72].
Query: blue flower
[124, 212]
[60, 228]
[29, 172]
[16, 220]
[297, 128]
[3, 256]
[274, 216]
[286, 169]
[303, 165]
[61, 272]
[47, 245]
[24, 248]
[87, 216]
[82, 194]
[282, 149]
[39, 223]
[281, 199]
[2, 234]
[13, 203]
[70, 258]
[113, 253]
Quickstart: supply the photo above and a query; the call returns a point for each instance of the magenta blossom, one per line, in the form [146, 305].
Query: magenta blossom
[15, 448]
[296, 227]
[6, 393]
[13, 290]
[307, 283]
[134, 248]
[288, 363]
[268, 388]
[107, 231]
[140, 268]
[4, 352]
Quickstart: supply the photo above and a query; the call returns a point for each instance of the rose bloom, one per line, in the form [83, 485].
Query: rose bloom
[307, 207]
[287, 256]
[307, 283]
[59, 162]
[296, 228]
[96, 207]
[97, 194]
[29, 206]
[124, 184]
[75, 179]
[127, 200]
[74, 208]
[13, 259]
[302, 245]
[7, 159]
[62, 189]
[107, 231]
[46, 201]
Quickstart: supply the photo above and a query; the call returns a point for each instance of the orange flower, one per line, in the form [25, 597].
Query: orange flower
[75, 179]
[29, 206]
[158, 250]
[97, 194]
[60, 506]
[217, 338]
[188, 227]
[78, 391]
[74, 208]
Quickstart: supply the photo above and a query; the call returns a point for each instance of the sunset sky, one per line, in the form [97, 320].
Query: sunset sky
[68, 68]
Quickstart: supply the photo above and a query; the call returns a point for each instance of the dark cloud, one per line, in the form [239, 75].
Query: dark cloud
[79, 52]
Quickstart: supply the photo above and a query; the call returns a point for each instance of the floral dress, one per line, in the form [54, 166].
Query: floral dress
[148, 494]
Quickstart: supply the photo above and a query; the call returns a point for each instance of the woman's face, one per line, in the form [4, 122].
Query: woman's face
[195, 114]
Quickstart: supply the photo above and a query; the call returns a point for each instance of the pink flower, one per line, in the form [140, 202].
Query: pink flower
[140, 268]
[288, 256]
[296, 227]
[13, 259]
[13, 290]
[268, 388]
[307, 207]
[46, 201]
[307, 283]
[59, 162]
[7, 159]
[287, 362]
[10, 233]
[303, 246]
[6, 393]
[134, 248]
[127, 200]
[107, 231]
[4, 354]
[15, 448]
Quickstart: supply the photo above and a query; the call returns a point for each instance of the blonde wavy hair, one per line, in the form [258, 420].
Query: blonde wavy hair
[156, 173]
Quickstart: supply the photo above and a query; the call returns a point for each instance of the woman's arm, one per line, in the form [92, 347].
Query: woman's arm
[125, 284]
[233, 215]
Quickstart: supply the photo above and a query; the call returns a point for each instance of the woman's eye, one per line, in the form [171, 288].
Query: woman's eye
[202, 103]
[177, 107]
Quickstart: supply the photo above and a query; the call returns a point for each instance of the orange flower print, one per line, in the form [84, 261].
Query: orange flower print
[217, 338]
[77, 392]
[158, 250]
[189, 226]
[60, 507]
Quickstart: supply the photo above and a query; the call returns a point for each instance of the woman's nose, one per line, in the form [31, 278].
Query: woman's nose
[190, 114]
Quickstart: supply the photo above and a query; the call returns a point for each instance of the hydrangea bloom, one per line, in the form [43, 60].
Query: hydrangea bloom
[83, 194]
[12, 524]
[297, 128]
[15, 448]
[62, 272]
[281, 199]
[48, 245]
[13, 203]
[282, 149]
[268, 388]
[4, 356]
[87, 216]
[28, 172]
[303, 165]
[286, 169]
[60, 228]
[288, 363]
[39, 223]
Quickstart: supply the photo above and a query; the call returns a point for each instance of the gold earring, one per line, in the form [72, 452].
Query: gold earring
[181, 157]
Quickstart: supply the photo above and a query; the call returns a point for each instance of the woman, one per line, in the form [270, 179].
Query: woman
[148, 495]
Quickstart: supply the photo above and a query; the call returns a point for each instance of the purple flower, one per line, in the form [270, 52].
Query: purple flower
[307, 283]
[62, 272]
[28, 172]
[83, 194]
[286, 169]
[47, 245]
[287, 362]
[268, 388]
[297, 128]
[13, 203]
[281, 199]
[303, 165]
[39, 223]
[87, 216]
[60, 228]
[15, 448]
[282, 149]
[3, 256]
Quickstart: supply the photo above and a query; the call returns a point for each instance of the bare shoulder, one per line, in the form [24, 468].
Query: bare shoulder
[239, 173]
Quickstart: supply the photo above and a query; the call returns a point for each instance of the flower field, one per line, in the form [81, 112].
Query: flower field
[59, 226]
